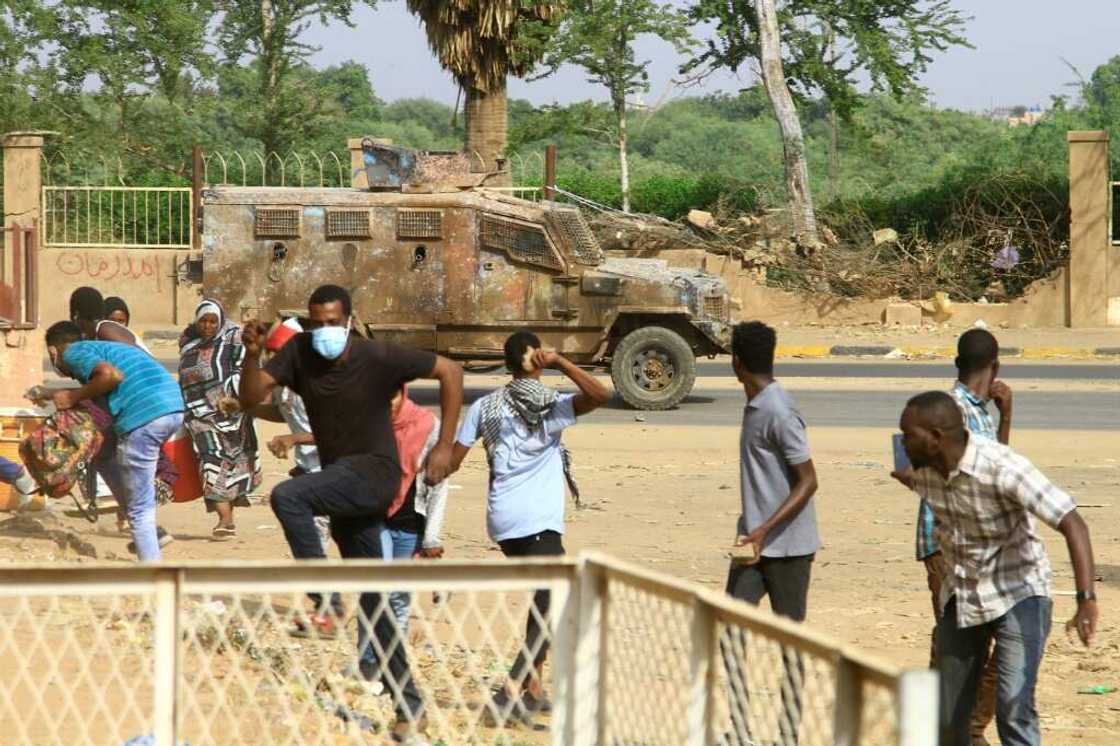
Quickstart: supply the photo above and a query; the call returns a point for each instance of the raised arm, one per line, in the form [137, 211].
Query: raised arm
[592, 394]
[256, 385]
[1001, 395]
[450, 376]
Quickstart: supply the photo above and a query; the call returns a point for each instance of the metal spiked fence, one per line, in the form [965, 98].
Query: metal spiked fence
[202, 654]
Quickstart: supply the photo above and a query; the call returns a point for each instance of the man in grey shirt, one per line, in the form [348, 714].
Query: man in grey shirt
[776, 537]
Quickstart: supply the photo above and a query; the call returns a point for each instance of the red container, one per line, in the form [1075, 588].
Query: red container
[181, 452]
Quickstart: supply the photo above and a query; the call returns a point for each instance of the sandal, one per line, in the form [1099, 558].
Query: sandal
[224, 533]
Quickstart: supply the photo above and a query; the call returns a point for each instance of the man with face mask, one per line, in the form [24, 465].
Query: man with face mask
[347, 383]
[996, 583]
[147, 409]
[977, 383]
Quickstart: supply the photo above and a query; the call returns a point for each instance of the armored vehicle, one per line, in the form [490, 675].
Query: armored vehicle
[444, 264]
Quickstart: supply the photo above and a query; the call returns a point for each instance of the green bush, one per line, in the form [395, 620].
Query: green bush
[666, 196]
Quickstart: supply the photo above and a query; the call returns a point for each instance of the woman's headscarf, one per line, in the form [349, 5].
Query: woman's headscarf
[192, 339]
[207, 307]
[412, 426]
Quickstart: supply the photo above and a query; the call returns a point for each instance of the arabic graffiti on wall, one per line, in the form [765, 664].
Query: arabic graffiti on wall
[104, 267]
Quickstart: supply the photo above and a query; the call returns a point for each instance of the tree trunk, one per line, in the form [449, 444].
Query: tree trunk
[271, 136]
[623, 161]
[487, 124]
[793, 142]
[833, 153]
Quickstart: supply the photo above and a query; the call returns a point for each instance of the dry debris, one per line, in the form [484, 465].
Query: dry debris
[983, 260]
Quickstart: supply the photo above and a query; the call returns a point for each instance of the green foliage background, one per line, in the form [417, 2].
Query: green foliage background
[897, 162]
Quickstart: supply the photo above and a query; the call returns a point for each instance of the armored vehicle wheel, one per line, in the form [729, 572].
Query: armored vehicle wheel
[653, 368]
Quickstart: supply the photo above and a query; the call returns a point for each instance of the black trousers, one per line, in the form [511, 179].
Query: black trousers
[354, 502]
[786, 581]
[356, 506]
[535, 649]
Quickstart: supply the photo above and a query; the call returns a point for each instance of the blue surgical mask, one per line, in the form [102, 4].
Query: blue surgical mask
[330, 341]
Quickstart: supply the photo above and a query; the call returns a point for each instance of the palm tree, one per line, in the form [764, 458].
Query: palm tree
[481, 42]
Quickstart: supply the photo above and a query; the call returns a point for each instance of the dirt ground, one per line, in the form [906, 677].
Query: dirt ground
[667, 498]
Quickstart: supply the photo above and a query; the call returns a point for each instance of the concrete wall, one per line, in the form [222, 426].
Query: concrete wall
[1043, 305]
[1090, 246]
[145, 278]
[21, 351]
[21, 364]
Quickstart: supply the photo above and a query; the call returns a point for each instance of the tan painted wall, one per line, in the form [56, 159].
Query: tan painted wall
[1042, 306]
[21, 364]
[1089, 244]
[145, 278]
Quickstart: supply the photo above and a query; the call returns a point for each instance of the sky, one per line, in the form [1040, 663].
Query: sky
[1021, 52]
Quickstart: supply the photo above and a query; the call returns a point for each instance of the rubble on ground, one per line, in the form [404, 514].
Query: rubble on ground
[874, 263]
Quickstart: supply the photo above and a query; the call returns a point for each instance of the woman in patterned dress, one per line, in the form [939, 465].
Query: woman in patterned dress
[210, 358]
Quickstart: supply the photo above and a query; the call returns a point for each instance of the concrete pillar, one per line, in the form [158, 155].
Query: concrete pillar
[1089, 242]
[21, 351]
[357, 165]
[23, 186]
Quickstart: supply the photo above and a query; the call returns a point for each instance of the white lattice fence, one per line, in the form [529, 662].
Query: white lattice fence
[203, 654]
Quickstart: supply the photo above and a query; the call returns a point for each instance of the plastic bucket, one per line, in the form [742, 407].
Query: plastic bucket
[181, 452]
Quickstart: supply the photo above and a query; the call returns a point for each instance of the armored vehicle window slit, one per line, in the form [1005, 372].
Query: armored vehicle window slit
[571, 229]
[274, 222]
[419, 224]
[521, 241]
[347, 224]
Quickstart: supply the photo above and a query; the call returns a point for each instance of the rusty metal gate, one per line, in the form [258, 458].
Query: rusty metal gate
[19, 277]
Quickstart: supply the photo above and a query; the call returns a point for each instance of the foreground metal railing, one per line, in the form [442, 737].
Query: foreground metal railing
[98, 654]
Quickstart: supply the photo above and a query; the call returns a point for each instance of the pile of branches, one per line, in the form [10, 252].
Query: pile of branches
[989, 241]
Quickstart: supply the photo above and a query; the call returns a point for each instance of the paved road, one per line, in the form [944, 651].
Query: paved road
[1034, 410]
[721, 367]
[943, 370]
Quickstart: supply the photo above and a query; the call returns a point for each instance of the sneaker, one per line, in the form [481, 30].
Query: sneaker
[162, 537]
[317, 626]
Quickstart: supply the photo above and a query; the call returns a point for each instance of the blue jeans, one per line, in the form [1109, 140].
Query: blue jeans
[132, 475]
[394, 545]
[1020, 636]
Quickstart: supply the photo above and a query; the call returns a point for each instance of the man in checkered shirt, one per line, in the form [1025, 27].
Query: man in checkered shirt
[996, 584]
[977, 383]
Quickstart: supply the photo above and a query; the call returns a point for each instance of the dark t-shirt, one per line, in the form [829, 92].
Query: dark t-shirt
[407, 519]
[348, 403]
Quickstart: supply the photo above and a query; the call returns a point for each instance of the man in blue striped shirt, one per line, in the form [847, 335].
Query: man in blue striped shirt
[147, 409]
